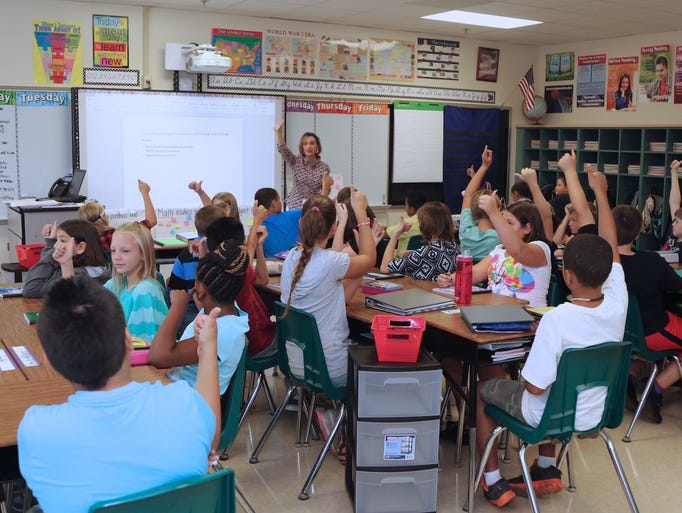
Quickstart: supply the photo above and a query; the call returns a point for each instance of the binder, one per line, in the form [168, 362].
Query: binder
[497, 318]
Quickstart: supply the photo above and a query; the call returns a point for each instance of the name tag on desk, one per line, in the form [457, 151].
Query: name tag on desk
[25, 356]
[6, 363]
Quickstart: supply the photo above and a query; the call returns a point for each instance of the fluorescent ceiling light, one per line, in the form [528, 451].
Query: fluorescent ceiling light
[483, 20]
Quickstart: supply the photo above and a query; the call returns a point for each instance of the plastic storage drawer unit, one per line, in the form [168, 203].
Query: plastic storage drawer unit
[396, 492]
[395, 444]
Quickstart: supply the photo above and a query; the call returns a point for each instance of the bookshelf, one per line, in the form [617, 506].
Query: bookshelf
[633, 159]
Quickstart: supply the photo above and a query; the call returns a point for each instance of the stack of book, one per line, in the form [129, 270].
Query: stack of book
[553, 144]
[677, 147]
[656, 170]
[634, 169]
[591, 145]
[610, 169]
[570, 145]
[657, 146]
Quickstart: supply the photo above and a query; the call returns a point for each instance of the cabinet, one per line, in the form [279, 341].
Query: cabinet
[25, 224]
[633, 159]
[392, 430]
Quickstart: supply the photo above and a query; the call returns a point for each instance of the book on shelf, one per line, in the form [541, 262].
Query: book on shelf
[380, 287]
[409, 301]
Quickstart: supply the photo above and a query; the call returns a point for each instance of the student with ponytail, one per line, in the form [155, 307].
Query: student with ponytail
[313, 278]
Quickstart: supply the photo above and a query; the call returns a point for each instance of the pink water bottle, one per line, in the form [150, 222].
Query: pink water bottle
[463, 278]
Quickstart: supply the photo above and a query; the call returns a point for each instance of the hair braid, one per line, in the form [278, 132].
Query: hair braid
[223, 270]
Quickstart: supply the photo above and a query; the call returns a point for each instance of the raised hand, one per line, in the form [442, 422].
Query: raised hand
[488, 203]
[597, 181]
[259, 213]
[675, 167]
[50, 230]
[195, 186]
[341, 214]
[567, 162]
[143, 187]
[487, 157]
[358, 200]
[206, 332]
[528, 175]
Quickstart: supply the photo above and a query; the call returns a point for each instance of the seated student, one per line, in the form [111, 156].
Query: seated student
[674, 242]
[134, 280]
[224, 200]
[70, 248]
[220, 276]
[185, 265]
[261, 334]
[437, 256]
[282, 226]
[413, 202]
[94, 212]
[596, 314]
[313, 279]
[561, 198]
[520, 192]
[476, 233]
[113, 436]
[649, 277]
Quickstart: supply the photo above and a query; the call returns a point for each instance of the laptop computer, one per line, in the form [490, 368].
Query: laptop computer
[408, 302]
[72, 192]
[496, 318]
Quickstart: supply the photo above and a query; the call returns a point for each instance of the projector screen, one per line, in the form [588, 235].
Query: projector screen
[169, 139]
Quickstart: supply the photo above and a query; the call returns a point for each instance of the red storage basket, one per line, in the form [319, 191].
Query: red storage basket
[398, 338]
[29, 254]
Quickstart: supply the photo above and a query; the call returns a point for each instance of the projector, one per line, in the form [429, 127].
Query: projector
[206, 59]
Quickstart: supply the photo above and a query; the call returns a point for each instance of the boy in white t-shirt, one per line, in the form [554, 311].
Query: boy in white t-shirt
[596, 314]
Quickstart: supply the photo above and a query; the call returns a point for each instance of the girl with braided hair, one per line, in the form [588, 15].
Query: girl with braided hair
[219, 278]
[313, 278]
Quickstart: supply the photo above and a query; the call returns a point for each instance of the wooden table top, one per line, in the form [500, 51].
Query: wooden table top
[26, 386]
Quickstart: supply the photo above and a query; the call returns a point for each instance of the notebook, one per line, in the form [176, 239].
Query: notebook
[409, 301]
[497, 318]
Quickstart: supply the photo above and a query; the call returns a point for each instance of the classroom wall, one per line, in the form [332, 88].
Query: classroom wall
[151, 28]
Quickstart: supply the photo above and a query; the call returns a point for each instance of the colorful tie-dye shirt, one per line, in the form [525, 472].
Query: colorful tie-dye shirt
[508, 277]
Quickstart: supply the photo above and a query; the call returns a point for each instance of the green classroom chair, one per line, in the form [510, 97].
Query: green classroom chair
[415, 242]
[213, 492]
[634, 333]
[300, 328]
[604, 364]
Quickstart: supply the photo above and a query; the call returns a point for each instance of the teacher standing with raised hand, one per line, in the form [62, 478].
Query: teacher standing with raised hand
[311, 175]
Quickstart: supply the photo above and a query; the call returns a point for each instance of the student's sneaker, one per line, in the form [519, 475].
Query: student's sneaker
[499, 494]
[545, 481]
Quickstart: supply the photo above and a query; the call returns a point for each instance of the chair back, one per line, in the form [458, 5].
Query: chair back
[634, 333]
[415, 242]
[164, 287]
[231, 404]
[210, 493]
[580, 369]
[300, 328]
[556, 294]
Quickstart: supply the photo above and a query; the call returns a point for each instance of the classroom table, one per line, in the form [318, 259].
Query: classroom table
[446, 334]
[26, 386]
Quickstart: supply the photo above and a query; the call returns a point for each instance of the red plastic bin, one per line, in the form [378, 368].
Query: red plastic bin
[398, 338]
[29, 254]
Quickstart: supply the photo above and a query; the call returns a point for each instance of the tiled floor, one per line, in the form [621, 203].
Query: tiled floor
[651, 461]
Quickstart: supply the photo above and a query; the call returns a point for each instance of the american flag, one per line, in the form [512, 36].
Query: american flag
[528, 90]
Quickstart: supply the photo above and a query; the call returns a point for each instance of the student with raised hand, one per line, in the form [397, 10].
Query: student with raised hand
[595, 315]
[134, 280]
[530, 177]
[434, 258]
[674, 242]
[313, 279]
[413, 202]
[70, 248]
[476, 232]
[95, 213]
[282, 226]
[224, 200]
[521, 265]
[584, 216]
[220, 277]
[83, 332]
[311, 175]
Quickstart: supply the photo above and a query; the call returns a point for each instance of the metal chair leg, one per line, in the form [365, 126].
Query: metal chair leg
[460, 433]
[241, 498]
[642, 401]
[268, 394]
[311, 412]
[619, 470]
[323, 453]
[527, 480]
[566, 452]
[484, 457]
[271, 425]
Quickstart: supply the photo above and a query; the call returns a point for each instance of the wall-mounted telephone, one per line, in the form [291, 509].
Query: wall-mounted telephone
[59, 187]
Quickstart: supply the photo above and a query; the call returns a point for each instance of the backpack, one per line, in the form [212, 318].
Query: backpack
[652, 216]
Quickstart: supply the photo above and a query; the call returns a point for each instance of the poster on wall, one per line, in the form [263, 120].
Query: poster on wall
[559, 66]
[290, 52]
[391, 60]
[8, 155]
[655, 75]
[343, 58]
[591, 80]
[487, 64]
[57, 57]
[678, 75]
[109, 41]
[620, 83]
[242, 46]
[437, 59]
[559, 99]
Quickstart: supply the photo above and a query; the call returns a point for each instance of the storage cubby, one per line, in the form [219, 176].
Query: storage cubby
[633, 159]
